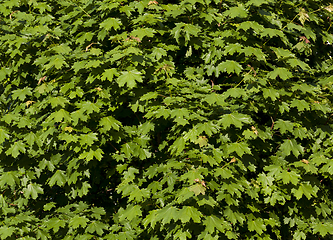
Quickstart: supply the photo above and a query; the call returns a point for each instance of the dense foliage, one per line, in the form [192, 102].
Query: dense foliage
[193, 119]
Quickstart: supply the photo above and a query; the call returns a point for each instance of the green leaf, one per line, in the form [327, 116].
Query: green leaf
[167, 214]
[182, 235]
[289, 146]
[88, 139]
[294, 62]
[225, 173]
[283, 73]
[289, 176]
[32, 190]
[233, 188]
[282, 53]
[9, 117]
[84, 189]
[55, 224]
[57, 61]
[198, 189]
[233, 216]
[96, 226]
[59, 116]
[236, 119]
[189, 212]
[127, 149]
[62, 49]
[158, 53]
[230, 66]
[207, 200]
[6, 231]
[108, 123]
[97, 212]
[109, 23]
[191, 30]
[143, 32]
[284, 126]
[256, 224]
[58, 101]
[78, 221]
[58, 178]
[207, 236]
[148, 96]
[9, 178]
[88, 107]
[246, 25]
[298, 235]
[233, 12]
[265, 180]
[3, 135]
[208, 127]
[232, 48]
[300, 104]
[214, 98]
[202, 141]
[130, 213]
[271, 92]
[249, 51]
[129, 78]
[178, 146]
[271, 32]
[138, 194]
[49, 206]
[235, 93]
[305, 189]
[151, 219]
[16, 148]
[323, 228]
[240, 148]
[213, 222]
[93, 152]
[22, 93]
[109, 74]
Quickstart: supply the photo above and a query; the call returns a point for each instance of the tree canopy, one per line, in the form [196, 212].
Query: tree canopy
[192, 119]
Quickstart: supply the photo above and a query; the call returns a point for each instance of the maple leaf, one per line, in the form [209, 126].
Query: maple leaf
[58, 178]
[329, 7]
[238, 11]
[3, 135]
[236, 119]
[284, 126]
[213, 222]
[129, 78]
[111, 23]
[289, 146]
[230, 66]
[283, 73]
[9, 178]
[32, 190]
[143, 32]
[303, 16]
[240, 148]
[256, 224]
[202, 141]
[167, 214]
[187, 212]
[198, 189]
[78, 221]
[271, 93]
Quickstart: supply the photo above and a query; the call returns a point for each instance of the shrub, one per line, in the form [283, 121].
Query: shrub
[193, 119]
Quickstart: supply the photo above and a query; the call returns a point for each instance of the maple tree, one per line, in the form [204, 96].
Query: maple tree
[193, 119]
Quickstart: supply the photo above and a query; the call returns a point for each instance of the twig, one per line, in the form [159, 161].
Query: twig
[272, 123]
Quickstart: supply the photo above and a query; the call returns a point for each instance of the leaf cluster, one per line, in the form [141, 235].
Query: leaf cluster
[193, 119]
